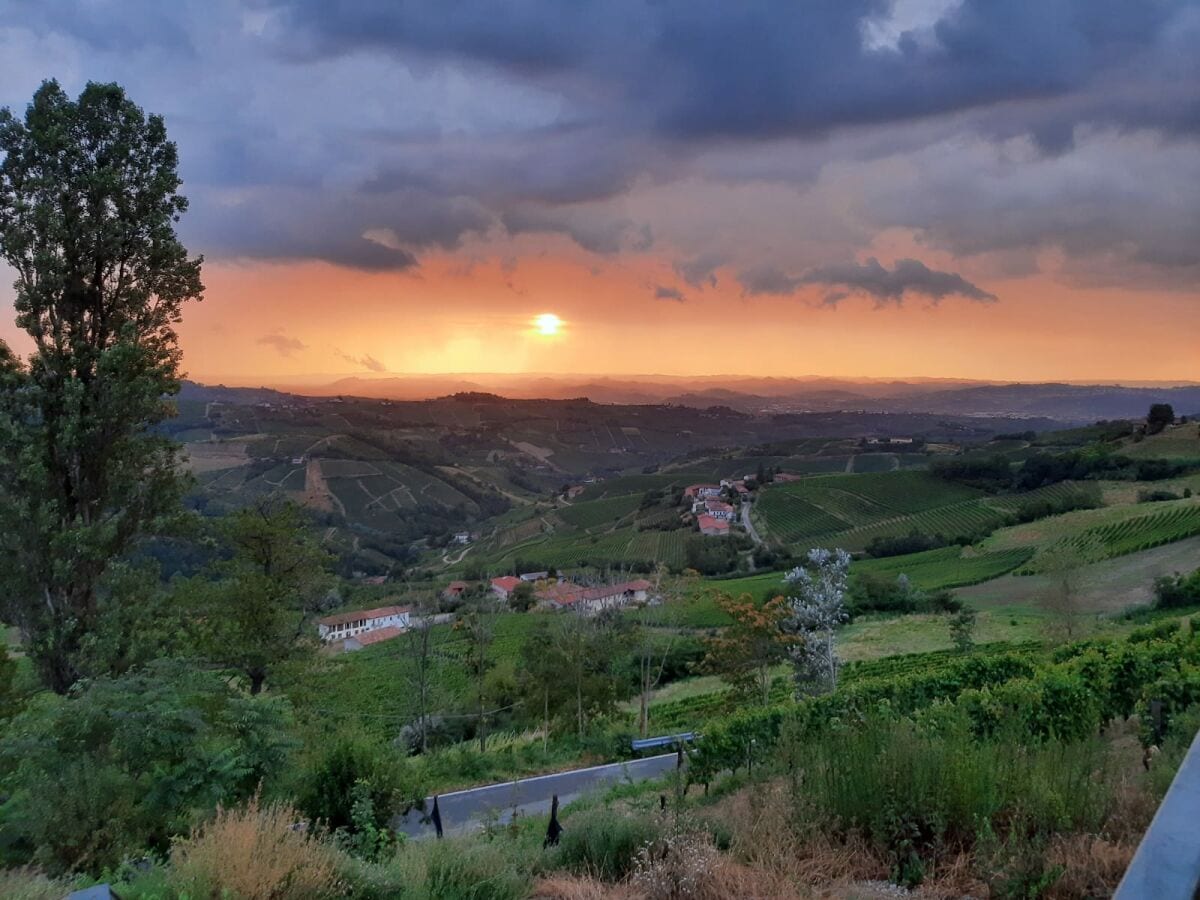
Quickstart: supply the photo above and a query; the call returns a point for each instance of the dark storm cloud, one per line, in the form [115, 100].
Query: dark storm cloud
[700, 271]
[282, 344]
[907, 276]
[664, 292]
[596, 233]
[760, 67]
[871, 278]
[368, 132]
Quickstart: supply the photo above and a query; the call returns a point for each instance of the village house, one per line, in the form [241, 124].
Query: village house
[565, 595]
[712, 526]
[353, 624]
[454, 590]
[503, 586]
[701, 491]
[462, 537]
[719, 510]
[534, 576]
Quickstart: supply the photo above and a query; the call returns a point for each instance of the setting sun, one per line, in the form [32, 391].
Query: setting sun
[547, 323]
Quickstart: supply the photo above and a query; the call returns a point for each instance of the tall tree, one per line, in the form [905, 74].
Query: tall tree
[479, 636]
[88, 205]
[258, 605]
[417, 649]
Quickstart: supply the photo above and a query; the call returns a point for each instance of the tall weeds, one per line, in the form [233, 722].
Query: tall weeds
[255, 852]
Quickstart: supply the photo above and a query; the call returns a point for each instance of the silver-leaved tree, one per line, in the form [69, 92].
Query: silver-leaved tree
[816, 592]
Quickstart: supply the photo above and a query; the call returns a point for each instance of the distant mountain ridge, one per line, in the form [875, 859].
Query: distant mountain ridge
[1070, 403]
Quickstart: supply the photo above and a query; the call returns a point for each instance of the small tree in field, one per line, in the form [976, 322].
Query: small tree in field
[1064, 599]
[962, 629]
[751, 645]
[816, 594]
[1160, 416]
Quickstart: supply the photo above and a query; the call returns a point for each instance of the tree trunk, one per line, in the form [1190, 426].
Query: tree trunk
[257, 677]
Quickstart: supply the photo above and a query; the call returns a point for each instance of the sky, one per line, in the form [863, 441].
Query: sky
[885, 188]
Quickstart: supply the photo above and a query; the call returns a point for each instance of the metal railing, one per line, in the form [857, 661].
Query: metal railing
[1167, 863]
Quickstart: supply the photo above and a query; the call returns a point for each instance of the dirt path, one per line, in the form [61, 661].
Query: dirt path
[316, 490]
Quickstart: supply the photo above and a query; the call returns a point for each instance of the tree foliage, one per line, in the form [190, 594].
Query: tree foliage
[88, 206]
[756, 641]
[258, 605]
[130, 762]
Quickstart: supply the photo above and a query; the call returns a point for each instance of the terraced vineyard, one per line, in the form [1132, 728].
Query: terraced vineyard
[620, 547]
[862, 507]
[594, 513]
[947, 567]
[690, 712]
[1153, 529]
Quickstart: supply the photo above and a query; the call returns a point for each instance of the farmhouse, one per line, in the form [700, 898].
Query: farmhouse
[719, 510]
[701, 491]
[533, 576]
[359, 622]
[505, 585]
[566, 595]
[462, 537]
[713, 526]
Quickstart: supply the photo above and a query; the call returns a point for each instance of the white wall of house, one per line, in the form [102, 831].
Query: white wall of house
[343, 630]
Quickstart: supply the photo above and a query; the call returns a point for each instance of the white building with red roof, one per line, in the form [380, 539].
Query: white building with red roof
[701, 491]
[503, 586]
[566, 595]
[352, 624]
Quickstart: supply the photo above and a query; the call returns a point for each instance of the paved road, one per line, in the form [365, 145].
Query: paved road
[747, 524]
[465, 810]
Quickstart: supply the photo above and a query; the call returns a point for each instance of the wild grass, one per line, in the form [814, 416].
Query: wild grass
[30, 884]
[257, 852]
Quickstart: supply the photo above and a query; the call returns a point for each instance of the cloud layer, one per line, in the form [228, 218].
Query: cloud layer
[771, 145]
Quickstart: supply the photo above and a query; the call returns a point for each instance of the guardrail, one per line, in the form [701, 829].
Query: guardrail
[1167, 863]
[667, 740]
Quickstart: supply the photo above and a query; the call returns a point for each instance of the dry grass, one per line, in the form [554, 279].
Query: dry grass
[1092, 866]
[29, 884]
[255, 852]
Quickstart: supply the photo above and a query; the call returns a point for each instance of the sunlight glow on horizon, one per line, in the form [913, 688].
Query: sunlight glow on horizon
[547, 324]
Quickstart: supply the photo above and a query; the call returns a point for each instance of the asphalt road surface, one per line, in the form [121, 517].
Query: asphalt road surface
[466, 810]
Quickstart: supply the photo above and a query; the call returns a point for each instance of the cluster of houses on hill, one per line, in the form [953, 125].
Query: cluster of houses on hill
[362, 628]
[564, 594]
[713, 514]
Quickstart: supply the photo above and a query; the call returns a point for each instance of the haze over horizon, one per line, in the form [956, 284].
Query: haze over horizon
[916, 188]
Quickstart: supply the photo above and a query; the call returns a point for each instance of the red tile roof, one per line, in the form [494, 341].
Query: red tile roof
[712, 522]
[377, 635]
[355, 615]
[506, 583]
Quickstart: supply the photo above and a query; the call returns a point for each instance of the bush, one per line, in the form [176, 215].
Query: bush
[451, 869]
[913, 542]
[1174, 591]
[1156, 496]
[913, 792]
[130, 762]
[354, 768]
[255, 851]
[603, 843]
